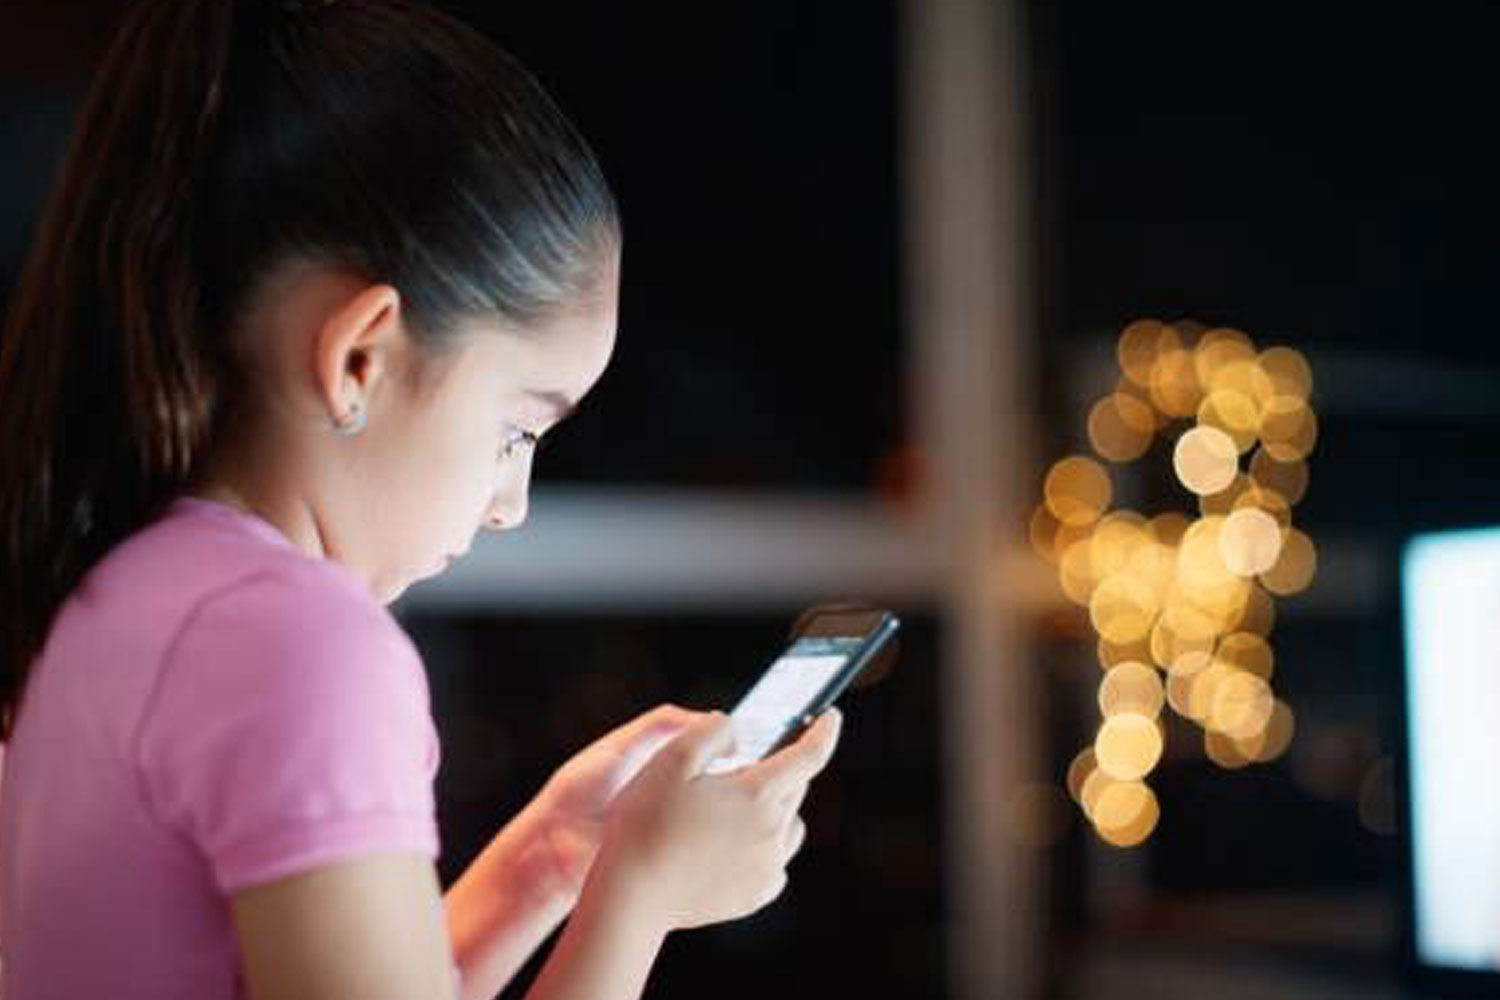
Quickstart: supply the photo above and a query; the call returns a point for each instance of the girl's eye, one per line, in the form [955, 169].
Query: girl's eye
[515, 438]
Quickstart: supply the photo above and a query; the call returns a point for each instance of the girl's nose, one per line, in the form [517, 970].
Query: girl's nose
[506, 512]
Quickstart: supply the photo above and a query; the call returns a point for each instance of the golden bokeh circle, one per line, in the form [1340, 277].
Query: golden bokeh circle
[1289, 371]
[1245, 377]
[1132, 688]
[1241, 706]
[1075, 572]
[1289, 479]
[1125, 813]
[1123, 608]
[1250, 541]
[1094, 784]
[1041, 530]
[1167, 529]
[1234, 413]
[1204, 689]
[1175, 389]
[1288, 428]
[1217, 348]
[1118, 535]
[1121, 427]
[1260, 612]
[1248, 652]
[1079, 770]
[1222, 502]
[1225, 750]
[1206, 460]
[1112, 654]
[1128, 746]
[1267, 500]
[1140, 344]
[1295, 567]
[1278, 733]
[1168, 646]
[1077, 490]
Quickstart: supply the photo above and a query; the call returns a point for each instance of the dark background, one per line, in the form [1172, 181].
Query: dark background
[1321, 176]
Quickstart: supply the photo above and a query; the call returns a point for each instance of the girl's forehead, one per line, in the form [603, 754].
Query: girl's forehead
[552, 366]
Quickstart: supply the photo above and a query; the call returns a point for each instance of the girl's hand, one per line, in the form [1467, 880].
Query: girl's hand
[571, 807]
[694, 848]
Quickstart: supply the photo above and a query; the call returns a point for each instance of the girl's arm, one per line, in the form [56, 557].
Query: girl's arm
[681, 849]
[609, 945]
[503, 907]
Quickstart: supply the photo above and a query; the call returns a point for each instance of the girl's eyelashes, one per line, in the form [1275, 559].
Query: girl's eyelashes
[515, 437]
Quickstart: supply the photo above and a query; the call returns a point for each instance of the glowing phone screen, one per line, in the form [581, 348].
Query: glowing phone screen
[782, 694]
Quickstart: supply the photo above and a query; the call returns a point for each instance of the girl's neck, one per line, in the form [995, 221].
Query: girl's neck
[288, 514]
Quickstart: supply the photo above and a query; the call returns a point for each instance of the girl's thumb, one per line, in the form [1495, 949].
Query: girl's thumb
[704, 740]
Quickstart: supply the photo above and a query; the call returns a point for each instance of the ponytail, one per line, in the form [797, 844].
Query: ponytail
[219, 138]
[105, 396]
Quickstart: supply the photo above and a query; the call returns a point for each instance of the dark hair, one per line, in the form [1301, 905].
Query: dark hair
[221, 138]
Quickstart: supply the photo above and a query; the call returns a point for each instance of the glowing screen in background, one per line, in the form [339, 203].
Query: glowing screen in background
[781, 694]
[1450, 595]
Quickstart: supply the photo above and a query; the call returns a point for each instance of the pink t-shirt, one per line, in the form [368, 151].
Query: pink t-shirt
[213, 709]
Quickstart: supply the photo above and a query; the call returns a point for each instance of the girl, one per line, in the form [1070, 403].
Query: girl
[314, 280]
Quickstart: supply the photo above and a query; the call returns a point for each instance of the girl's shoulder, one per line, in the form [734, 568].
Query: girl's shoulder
[235, 587]
[202, 552]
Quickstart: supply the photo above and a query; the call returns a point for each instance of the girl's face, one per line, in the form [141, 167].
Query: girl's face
[442, 460]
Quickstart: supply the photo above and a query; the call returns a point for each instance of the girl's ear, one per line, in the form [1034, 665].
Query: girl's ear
[355, 349]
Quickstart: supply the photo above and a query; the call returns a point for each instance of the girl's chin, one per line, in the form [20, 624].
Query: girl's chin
[392, 591]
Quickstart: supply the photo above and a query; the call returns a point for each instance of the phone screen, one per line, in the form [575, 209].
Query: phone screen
[783, 693]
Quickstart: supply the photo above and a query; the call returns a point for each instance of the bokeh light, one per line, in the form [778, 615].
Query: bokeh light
[1260, 612]
[1216, 350]
[1289, 372]
[1141, 344]
[1128, 746]
[1125, 813]
[1222, 502]
[1241, 706]
[1077, 490]
[1289, 479]
[1181, 602]
[1175, 389]
[1076, 573]
[1278, 735]
[1234, 413]
[1113, 654]
[1131, 688]
[1121, 427]
[1206, 460]
[1295, 566]
[1079, 770]
[1249, 541]
[1123, 608]
[1115, 541]
[1288, 429]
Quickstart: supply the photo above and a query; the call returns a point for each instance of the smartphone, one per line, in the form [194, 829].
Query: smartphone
[830, 646]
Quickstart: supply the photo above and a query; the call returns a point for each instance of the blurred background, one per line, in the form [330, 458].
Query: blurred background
[945, 304]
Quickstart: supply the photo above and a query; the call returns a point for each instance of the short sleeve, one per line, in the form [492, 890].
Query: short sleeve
[290, 726]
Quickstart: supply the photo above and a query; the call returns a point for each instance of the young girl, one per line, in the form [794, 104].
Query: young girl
[314, 280]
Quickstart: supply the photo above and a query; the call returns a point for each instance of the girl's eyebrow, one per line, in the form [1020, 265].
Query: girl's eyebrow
[561, 405]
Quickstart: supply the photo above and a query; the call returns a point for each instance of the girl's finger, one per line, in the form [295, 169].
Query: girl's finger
[782, 772]
[704, 740]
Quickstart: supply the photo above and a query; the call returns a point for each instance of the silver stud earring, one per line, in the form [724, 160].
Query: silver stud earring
[351, 423]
